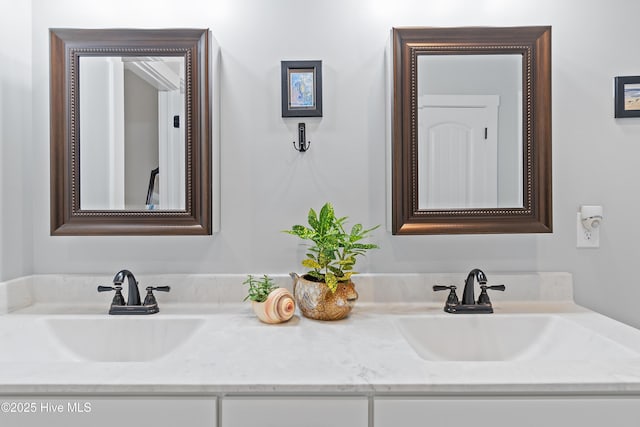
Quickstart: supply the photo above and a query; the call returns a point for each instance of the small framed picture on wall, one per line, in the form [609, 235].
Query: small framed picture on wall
[627, 96]
[301, 88]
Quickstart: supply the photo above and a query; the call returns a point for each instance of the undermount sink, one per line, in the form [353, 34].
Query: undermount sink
[122, 339]
[507, 338]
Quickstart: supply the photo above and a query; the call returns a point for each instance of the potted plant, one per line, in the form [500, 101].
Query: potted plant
[326, 291]
[269, 302]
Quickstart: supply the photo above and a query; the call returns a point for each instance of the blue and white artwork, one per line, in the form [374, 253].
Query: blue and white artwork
[301, 89]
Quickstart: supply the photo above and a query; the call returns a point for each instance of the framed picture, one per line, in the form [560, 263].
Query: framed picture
[627, 96]
[301, 88]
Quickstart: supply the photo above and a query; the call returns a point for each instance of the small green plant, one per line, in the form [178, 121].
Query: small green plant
[332, 256]
[259, 289]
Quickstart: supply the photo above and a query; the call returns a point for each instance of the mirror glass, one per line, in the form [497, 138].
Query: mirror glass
[471, 142]
[131, 109]
[130, 131]
[469, 131]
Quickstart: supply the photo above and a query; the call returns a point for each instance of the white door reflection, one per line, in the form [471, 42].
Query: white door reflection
[458, 151]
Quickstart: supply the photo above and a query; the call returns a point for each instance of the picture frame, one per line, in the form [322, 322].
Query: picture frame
[627, 96]
[301, 88]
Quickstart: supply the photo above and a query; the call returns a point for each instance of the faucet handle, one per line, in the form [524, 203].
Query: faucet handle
[452, 299]
[150, 299]
[118, 299]
[484, 296]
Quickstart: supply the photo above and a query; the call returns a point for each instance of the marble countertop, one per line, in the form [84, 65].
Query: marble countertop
[232, 352]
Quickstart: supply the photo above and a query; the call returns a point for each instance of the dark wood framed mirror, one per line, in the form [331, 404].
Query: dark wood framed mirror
[471, 143]
[124, 102]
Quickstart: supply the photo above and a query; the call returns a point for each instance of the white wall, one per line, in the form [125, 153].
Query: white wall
[267, 186]
[101, 143]
[15, 140]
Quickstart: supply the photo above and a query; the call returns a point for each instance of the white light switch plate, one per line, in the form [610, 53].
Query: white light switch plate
[586, 238]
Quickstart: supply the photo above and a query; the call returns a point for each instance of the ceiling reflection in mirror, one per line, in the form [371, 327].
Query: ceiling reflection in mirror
[469, 131]
[131, 123]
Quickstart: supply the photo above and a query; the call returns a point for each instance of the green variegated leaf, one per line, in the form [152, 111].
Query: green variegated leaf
[349, 262]
[296, 230]
[311, 263]
[364, 246]
[312, 218]
[327, 218]
[331, 281]
[322, 259]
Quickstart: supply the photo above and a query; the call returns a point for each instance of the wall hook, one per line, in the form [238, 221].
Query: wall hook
[301, 145]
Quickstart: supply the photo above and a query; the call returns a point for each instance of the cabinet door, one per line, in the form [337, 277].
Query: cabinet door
[507, 412]
[103, 411]
[295, 412]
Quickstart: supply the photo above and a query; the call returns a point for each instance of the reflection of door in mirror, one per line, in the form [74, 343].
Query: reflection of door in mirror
[457, 151]
[131, 111]
[469, 131]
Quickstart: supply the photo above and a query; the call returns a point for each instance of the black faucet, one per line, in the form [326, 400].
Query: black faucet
[133, 296]
[468, 296]
[468, 303]
[133, 305]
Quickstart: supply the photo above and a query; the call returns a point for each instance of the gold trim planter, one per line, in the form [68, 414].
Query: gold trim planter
[316, 301]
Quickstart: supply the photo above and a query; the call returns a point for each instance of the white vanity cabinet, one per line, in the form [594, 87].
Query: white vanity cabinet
[526, 411]
[106, 411]
[312, 411]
